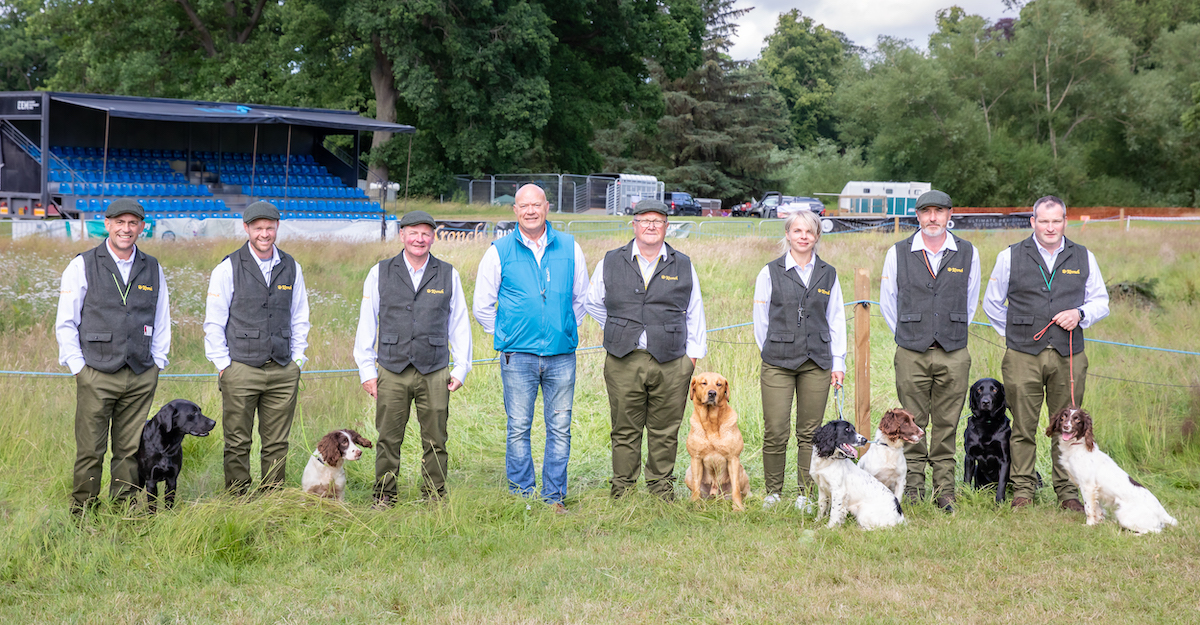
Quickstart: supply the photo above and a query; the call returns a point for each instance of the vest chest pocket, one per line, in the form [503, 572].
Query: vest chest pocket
[614, 328]
[389, 339]
[781, 337]
[99, 344]
[246, 334]
[675, 335]
[1023, 327]
[437, 341]
[910, 317]
[958, 325]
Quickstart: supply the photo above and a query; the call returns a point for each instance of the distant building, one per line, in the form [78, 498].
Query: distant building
[881, 198]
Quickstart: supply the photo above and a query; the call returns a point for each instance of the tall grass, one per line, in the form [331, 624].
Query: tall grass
[482, 557]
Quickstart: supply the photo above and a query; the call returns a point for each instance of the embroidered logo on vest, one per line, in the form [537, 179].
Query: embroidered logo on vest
[823, 291]
[284, 287]
[665, 277]
[1074, 272]
[954, 269]
[436, 291]
[142, 287]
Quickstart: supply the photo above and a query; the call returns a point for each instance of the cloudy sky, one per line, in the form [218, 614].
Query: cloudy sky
[862, 20]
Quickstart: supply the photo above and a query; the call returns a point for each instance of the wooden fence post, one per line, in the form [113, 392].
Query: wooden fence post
[1123, 219]
[862, 353]
[896, 225]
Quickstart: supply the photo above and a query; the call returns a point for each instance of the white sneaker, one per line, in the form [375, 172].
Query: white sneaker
[770, 500]
[803, 504]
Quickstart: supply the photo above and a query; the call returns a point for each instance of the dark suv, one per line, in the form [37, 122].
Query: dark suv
[680, 203]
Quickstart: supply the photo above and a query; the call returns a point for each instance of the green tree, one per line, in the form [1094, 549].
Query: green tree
[803, 59]
[26, 57]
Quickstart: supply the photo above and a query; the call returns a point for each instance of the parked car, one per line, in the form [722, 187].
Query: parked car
[680, 203]
[764, 208]
[797, 204]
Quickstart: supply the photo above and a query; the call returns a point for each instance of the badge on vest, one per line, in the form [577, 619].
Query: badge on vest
[147, 330]
[284, 287]
[666, 277]
[1073, 272]
[142, 287]
[436, 291]
[954, 269]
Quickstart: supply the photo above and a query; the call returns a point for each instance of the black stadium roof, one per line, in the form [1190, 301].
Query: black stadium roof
[224, 112]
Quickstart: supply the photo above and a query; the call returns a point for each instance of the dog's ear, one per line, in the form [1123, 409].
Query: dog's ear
[329, 449]
[166, 416]
[823, 440]
[692, 388]
[359, 439]
[1055, 423]
[1086, 420]
[890, 423]
[726, 391]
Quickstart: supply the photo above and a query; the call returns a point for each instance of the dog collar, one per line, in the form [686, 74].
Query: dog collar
[317, 456]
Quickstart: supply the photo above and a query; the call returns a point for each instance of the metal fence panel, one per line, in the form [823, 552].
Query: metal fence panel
[731, 228]
[600, 228]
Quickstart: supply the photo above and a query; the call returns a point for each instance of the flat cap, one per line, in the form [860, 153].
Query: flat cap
[124, 206]
[418, 217]
[260, 210]
[934, 198]
[649, 205]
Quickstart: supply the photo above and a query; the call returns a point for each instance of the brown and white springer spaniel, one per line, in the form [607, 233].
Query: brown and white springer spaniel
[325, 475]
[1101, 482]
[885, 459]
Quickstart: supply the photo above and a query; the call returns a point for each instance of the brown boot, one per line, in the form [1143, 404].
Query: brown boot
[946, 503]
[1072, 504]
[1021, 502]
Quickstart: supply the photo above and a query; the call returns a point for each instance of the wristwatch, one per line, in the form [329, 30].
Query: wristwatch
[1080, 313]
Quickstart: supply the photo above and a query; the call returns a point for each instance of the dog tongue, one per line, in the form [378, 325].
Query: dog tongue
[1067, 436]
[850, 451]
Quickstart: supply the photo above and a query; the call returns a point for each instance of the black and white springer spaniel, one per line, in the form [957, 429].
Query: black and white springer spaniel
[1101, 482]
[325, 475]
[843, 487]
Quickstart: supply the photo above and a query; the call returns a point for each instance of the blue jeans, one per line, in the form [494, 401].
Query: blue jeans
[521, 375]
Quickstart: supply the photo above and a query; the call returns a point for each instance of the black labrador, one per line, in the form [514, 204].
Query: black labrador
[160, 455]
[986, 452]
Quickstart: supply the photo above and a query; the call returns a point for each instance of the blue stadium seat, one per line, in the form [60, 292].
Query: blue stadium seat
[81, 205]
[93, 204]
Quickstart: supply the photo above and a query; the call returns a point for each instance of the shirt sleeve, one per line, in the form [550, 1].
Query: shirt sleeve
[580, 288]
[973, 285]
[697, 330]
[368, 323]
[160, 338]
[300, 323]
[887, 289]
[460, 331]
[487, 287]
[216, 315]
[66, 323]
[1095, 295]
[835, 317]
[594, 301]
[996, 295]
[761, 310]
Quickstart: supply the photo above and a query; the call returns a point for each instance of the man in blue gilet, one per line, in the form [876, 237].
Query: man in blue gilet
[529, 294]
[1044, 291]
[114, 331]
[255, 333]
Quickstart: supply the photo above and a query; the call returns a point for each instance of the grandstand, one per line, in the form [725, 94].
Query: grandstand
[180, 159]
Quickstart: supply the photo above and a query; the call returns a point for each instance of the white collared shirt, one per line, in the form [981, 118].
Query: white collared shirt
[995, 299]
[697, 330]
[70, 307]
[835, 310]
[487, 281]
[220, 296]
[368, 324]
[888, 287]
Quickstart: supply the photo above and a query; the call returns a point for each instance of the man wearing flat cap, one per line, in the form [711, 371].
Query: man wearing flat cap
[928, 293]
[114, 332]
[414, 309]
[255, 333]
[646, 297]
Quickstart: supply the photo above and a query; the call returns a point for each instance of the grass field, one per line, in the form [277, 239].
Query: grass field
[482, 557]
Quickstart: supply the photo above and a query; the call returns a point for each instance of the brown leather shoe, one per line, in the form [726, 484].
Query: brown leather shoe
[946, 503]
[559, 508]
[1021, 502]
[383, 502]
[1072, 504]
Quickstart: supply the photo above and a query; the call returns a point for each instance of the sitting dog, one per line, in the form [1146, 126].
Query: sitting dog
[885, 459]
[1101, 482]
[986, 457]
[160, 453]
[325, 475]
[843, 486]
[715, 443]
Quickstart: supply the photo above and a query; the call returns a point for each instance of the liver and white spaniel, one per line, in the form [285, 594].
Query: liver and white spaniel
[325, 475]
[1101, 482]
[845, 488]
[885, 459]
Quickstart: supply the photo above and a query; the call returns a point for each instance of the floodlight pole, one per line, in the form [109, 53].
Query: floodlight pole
[287, 164]
[107, 123]
[253, 161]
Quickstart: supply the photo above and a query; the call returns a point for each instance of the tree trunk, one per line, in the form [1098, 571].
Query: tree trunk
[383, 80]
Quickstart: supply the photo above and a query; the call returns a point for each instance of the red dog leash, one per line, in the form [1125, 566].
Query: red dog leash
[1070, 358]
